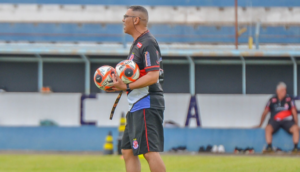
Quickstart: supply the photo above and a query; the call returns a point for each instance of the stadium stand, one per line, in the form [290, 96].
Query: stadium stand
[195, 21]
[68, 32]
[218, 3]
[159, 14]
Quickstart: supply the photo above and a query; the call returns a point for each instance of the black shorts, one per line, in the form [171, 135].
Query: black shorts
[144, 131]
[286, 125]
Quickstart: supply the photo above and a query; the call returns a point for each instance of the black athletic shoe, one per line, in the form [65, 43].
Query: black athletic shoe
[238, 150]
[278, 150]
[208, 148]
[174, 149]
[248, 150]
[251, 150]
[201, 149]
[268, 150]
[181, 148]
[296, 150]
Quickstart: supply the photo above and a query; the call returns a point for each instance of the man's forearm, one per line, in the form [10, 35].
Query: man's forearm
[296, 118]
[263, 116]
[262, 120]
[295, 115]
[148, 79]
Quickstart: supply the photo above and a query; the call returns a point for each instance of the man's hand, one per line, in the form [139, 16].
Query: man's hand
[118, 83]
[110, 91]
[113, 89]
[257, 126]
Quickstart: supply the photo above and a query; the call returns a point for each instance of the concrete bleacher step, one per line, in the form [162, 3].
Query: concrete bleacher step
[217, 3]
[61, 13]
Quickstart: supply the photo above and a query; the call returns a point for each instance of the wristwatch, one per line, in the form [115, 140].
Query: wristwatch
[128, 89]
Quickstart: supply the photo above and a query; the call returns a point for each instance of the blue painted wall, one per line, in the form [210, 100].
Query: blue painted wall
[54, 138]
[230, 138]
[219, 3]
[47, 32]
[92, 138]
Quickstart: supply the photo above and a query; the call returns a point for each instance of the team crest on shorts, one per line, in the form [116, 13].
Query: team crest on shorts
[135, 144]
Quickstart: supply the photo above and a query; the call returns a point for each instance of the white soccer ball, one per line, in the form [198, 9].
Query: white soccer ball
[128, 71]
[103, 77]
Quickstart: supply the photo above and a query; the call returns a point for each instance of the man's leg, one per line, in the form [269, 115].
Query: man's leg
[295, 131]
[269, 131]
[155, 162]
[132, 162]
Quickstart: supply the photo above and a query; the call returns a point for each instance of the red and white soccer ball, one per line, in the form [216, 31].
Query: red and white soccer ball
[103, 77]
[128, 71]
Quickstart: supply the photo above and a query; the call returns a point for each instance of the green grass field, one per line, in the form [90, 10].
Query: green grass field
[182, 163]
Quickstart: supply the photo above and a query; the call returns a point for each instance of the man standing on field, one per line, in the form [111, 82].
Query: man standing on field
[144, 130]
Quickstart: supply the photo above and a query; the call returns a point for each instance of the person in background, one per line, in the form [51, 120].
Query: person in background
[283, 115]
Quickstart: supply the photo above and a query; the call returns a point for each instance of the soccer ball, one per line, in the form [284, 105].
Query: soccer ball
[128, 71]
[103, 77]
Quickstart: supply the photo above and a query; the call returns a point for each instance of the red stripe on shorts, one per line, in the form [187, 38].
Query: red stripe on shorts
[146, 130]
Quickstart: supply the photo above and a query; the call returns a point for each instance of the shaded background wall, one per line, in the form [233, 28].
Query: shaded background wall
[210, 79]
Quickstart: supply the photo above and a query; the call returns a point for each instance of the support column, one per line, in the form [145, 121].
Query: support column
[257, 35]
[295, 75]
[243, 75]
[192, 75]
[236, 24]
[193, 100]
[40, 72]
[87, 74]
